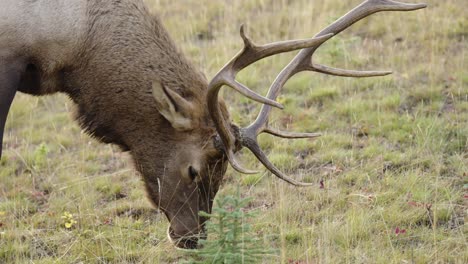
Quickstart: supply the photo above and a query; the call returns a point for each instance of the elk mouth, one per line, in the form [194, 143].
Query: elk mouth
[184, 242]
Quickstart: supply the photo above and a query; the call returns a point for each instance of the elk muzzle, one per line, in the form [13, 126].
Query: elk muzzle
[187, 229]
[187, 241]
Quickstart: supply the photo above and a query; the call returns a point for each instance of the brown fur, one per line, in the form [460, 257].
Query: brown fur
[108, 69]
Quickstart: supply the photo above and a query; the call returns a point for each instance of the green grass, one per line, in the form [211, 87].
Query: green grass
[394, 151]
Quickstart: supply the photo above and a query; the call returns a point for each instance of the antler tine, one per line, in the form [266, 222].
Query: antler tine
[252, 144]
[303, 62]
[344, 73]
[291, 135]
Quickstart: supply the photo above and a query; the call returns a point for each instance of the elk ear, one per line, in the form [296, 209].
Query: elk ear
[176, 109]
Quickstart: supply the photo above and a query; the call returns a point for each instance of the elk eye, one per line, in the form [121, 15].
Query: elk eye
[193, 173]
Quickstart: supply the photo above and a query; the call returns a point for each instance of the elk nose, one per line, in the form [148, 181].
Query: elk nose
[190, 242]
[187, 243]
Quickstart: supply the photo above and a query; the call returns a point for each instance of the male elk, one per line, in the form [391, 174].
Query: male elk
[133, 88]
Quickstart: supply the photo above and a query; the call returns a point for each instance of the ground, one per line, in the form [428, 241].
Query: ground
[390, 169]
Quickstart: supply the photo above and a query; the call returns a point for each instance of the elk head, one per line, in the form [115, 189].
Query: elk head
[190, 178]
[189, 169]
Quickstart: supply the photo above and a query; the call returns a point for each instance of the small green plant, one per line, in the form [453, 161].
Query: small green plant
[232, 240]
[40, 156]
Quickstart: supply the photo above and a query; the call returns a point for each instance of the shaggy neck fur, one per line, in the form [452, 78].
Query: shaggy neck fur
[126, 50]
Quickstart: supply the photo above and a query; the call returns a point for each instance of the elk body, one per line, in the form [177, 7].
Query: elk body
[133, 88]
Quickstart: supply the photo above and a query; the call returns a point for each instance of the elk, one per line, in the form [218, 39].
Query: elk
[132, 87]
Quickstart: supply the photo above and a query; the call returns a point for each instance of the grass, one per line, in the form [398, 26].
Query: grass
[394, 152]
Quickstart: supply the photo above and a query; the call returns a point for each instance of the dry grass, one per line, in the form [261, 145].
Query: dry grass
[394, 152]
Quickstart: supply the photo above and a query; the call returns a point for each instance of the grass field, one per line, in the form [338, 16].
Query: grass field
[391, 169]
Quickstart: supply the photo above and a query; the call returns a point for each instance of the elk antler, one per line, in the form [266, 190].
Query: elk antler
[302, 62]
